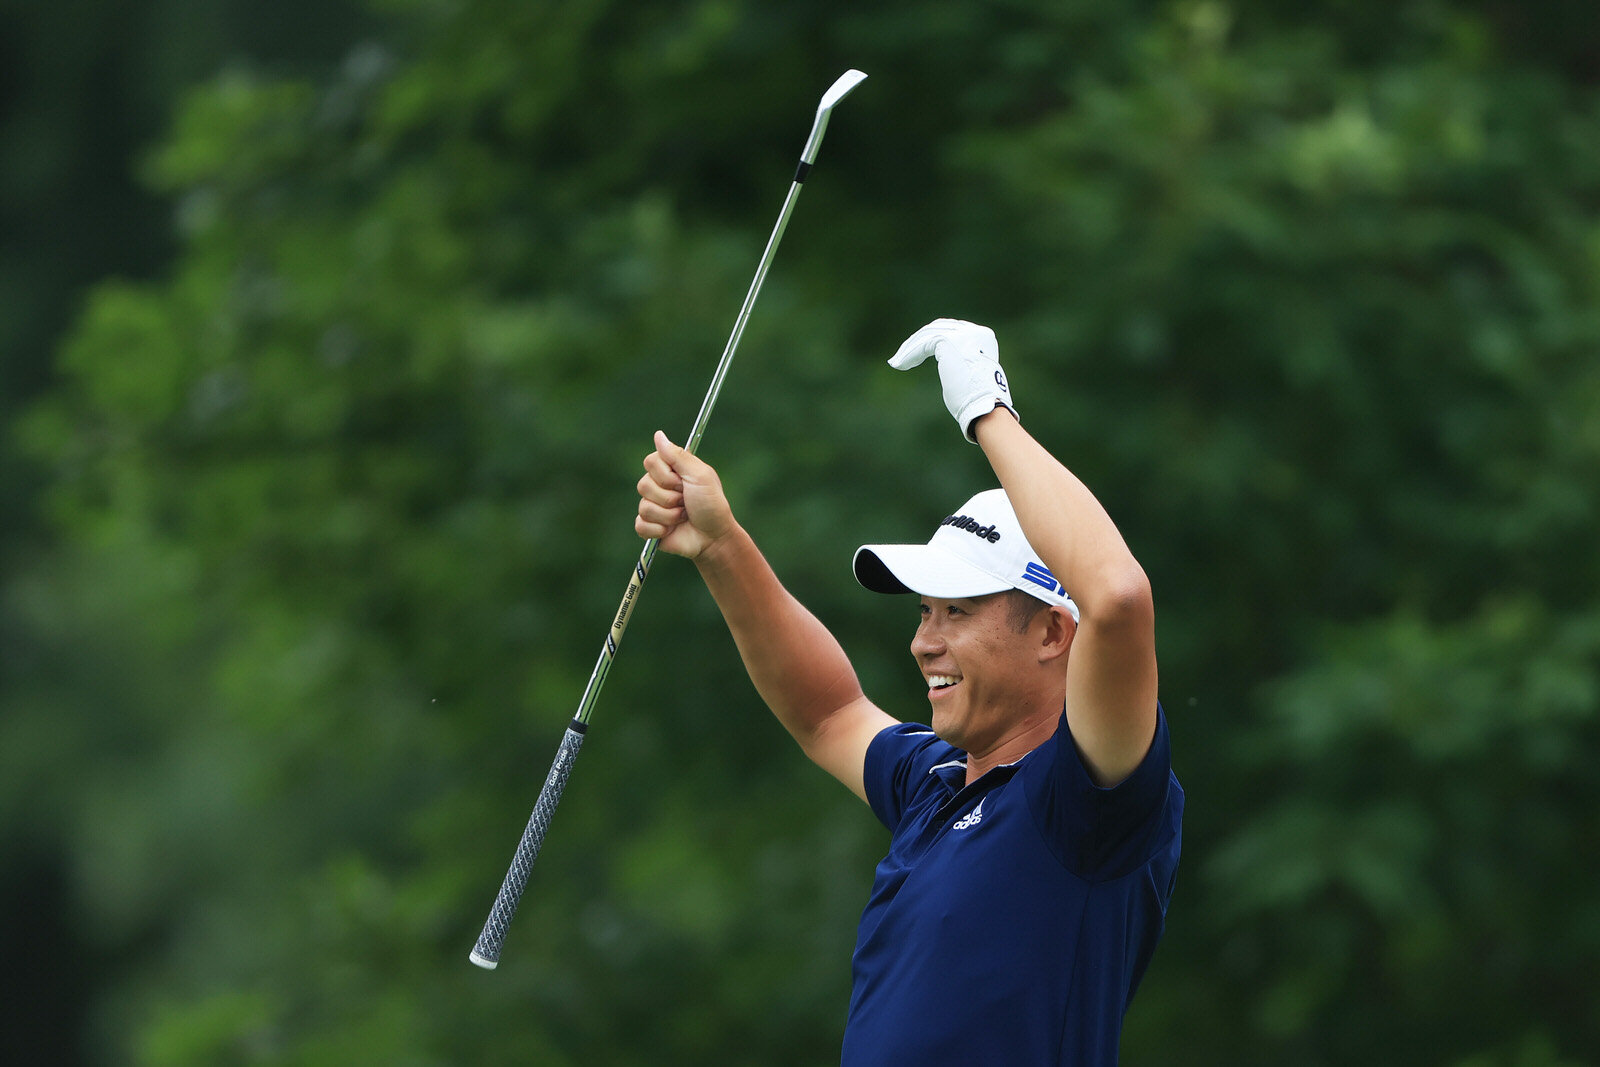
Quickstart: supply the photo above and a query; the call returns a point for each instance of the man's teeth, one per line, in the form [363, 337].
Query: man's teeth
[939, 681]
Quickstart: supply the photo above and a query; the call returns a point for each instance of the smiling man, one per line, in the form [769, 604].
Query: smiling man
[1035, 823]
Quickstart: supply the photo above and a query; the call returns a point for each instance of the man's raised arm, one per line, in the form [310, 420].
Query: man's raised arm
[1111, 671]
[797, 666]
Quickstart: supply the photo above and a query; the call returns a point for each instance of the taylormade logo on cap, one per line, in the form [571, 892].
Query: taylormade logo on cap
[978, 550]
[961, 522]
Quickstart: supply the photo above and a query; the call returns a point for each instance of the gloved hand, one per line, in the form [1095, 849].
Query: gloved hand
[969, 368]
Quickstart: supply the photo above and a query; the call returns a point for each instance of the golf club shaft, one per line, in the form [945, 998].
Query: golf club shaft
[486, 953]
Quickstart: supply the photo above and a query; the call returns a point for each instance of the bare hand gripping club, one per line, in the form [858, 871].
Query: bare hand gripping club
[486, 953]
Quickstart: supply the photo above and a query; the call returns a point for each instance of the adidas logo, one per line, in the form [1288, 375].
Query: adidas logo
[971, 818]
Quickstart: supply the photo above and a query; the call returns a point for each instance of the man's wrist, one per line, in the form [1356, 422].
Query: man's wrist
[989, 418]
[719, 552]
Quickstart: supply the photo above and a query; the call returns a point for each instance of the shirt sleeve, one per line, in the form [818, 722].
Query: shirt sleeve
[1101, 833]
[899, 760]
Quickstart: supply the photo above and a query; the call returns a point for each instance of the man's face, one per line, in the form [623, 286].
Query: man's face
[981, 672]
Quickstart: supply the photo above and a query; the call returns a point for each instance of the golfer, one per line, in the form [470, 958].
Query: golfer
[1035, 821]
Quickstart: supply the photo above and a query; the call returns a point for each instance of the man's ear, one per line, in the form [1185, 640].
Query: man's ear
[1057, 631]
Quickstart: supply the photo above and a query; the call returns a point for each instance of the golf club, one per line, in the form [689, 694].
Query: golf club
[486, 953]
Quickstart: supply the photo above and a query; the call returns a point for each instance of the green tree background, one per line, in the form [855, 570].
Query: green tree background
[334, 339]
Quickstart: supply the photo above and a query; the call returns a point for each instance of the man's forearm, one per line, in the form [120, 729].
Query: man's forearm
[797, 666]
[1062, 518]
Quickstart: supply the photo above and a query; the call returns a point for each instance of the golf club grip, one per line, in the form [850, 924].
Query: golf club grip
[486, 953]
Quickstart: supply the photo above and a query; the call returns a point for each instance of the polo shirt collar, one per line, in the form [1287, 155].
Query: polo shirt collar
[953, 773]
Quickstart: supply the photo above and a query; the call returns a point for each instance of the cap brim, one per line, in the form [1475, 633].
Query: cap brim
[923, 569]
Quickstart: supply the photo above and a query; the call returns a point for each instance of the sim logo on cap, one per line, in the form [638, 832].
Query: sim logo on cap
[1040, 575]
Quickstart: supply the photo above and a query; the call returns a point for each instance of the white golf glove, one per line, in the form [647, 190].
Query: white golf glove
[969, 368]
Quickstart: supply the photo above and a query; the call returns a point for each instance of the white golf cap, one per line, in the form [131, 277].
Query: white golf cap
[978, 550]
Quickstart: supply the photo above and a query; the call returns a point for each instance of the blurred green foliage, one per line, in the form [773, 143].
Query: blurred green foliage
[336, 509]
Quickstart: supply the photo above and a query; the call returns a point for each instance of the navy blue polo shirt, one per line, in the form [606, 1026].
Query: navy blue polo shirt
[1012, 919]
